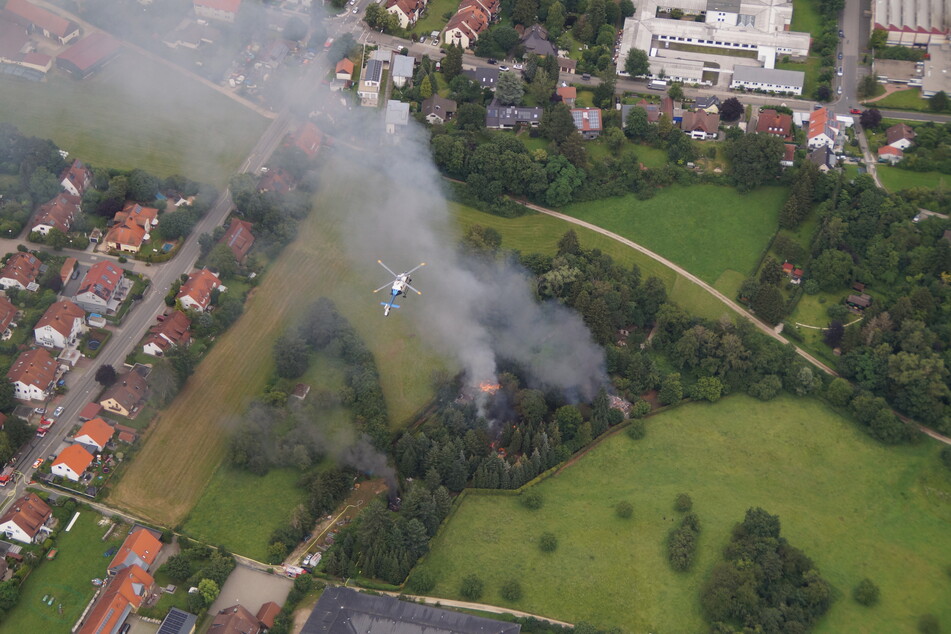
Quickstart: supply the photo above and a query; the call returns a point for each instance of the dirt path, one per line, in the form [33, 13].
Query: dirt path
[482, 607]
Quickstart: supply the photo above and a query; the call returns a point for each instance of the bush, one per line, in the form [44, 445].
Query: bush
[471, 588]
[683, 503]
[548, 543]
[511, 590]
[624, 510]
[866, 592]
[532, 499]
[637, 429]
[640, 409]
[928, 624]
[682, 543]
[422, 582]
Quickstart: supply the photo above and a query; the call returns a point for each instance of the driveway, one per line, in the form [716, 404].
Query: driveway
[252, 589]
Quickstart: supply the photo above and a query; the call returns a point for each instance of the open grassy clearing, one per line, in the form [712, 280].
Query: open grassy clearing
[896, 179]
[434, 20]
[136, 113]
[67, 579]
[810, 67]
[806, 17]
[855, 507]
[909, 99]
[704, 228]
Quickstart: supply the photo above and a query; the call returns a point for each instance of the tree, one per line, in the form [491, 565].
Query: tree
[295, 29]
[525, 12]
[708, 388]
[548, 542]
[676, 91]
[451, 63]
[510, 89]
[866, 592]
[531, 499]
[221, 259]
[833, 334]
[671, 390]
[177, 224]
[542, 86]
[839, 392]
[555, 22]
[772, 272]
[291, 356]
[142, 186]
[636, 63]
[106, 375]
[557, 123]
[208, 590]
[511, 590]
[637, 126]
[9, 594]
[755, 159]
[731, 109]
[768, 304]
[870, 118]
[832, 270]
[178, 567]
[938, 101]
[867, 86]
[927, 624]
[683, 503]
[823, 93]
[471, 117]
[426, 88]
[604, 92]
[471, 588]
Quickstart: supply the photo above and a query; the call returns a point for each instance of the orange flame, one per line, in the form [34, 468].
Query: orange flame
[490, 388]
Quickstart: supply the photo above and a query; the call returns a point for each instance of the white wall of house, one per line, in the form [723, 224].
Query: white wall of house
[28, 392]
[62, 469]
[13, 531]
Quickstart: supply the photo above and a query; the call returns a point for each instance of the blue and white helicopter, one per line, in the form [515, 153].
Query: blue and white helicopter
[398, 286]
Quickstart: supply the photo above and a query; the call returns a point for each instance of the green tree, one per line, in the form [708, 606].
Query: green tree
[221, 259]
[178, 567]
[671, 389]
[624, 510]
[9, 594]
[106, 375]
[555, 22]
[938, 101]
[708, 388]
[426, 88]
[683, 503]
[768, 304]
[451, 64]
[676, 91]
[637, 126]
[755, 159]
[208, 590]
[510, 89]
[471, 117]
[636, 63]
[471, 588]
[866, 592]
[542, 86]
[532, 499]
[511, 590]
[525, 12]
[557, 123]
[867, 86]
[832, 270]
[839, 392]
[604, 91]
[291, 356]
[548, 542]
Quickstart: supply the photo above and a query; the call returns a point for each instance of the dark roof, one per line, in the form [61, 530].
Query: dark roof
[177, 622]
[497, 115]
[486, 76]
[374, 71]
[822, 155]
[535, 40]
[706, 102]
[346, 611]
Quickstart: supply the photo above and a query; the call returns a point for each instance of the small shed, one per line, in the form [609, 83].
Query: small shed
[90, 411]
[859, 302]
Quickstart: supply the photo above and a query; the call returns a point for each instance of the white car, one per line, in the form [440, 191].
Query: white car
[503, 68]
[356, 10]
[58, 411]
[839, 72]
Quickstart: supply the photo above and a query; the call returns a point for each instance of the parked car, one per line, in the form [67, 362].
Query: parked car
[503, 67]
[492, 61]
[855, 111]
[37, 463]
[840, 54]
[839, 72]
[40, 410]
[841, 33]
[58, 411]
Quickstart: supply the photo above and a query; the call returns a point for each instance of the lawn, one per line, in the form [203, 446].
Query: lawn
[66, 578]
[434, 20]
[855, 507]
[239, 510]
[806, 17]
[910, 99]
[811, 68]
[895, 179]
[706, 229]
[136, 113]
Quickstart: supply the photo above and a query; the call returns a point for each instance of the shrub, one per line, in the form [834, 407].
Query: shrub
[683, 503]
[422, 582]
[532, 499]
[866, 592]
[471, 588]
[640, 409]
[548, 542]
[511, 590]
[624, 510]
[682, 543]
[637, 429]
[928, 624]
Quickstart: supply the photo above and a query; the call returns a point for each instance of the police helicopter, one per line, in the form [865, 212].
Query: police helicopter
[398, 286]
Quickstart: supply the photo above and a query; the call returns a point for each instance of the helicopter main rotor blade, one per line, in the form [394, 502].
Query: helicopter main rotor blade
[417, 267]
[418, 292]
[387, 285]
[391, 271]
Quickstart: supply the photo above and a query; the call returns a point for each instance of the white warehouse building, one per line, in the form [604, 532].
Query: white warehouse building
[768, 79]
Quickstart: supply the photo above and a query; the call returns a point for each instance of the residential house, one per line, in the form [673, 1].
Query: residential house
[823, 158]
[397, 116]
[567, 65]
[344, 73]
[145, 217]
[700, 125]
[127, 236]
[406, 11]
[124, 396]
[370, 79]
[32, 374]
[788, 268]
[587, 121]
[89, 411]
[195, 293]
[789, 155]
[26, 519]
[267, 613]
[94, 435]
[123, 595]
[58, 213]
[401, 69]
[500, 117]
[72, 462]
[235, 619]
[61, 325]
[42, 21]
[485, 76]
[900, 136]
[438, 109]
[709, 104]
[776, 123]
[178, 622]
[568, 95]
[98, 290]
[239, 238]
[890, 154]
[652, 110]
[535, 41]
[276, 180]
[673, 109]
[859, 302]
[308, 137]
[140, 549]
[18, 51]
[173, 331]
[20, 271]
[221, 10]
[823, 129]
[8, 313]
[77, 178]
[471, 19]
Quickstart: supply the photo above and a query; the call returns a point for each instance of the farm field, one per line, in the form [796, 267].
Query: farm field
[895, 179]
[136, 113]
[706, 229]
[855, 507]
[67, 579]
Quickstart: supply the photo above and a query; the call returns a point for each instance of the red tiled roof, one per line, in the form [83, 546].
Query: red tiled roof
[60, 317]
[22, 267]
[74, 457]
[143, 216]
[239, 238]
[127, 233]
[91, 50]
[142, 543]
[34, 367]
[173, 331]
[887, 149]
[199, 286]
[29, 513]
[90, 411]
[98, 430]
[129, 587]
[788, 267]
[344, 65]
[66, 271]
[60, 27]
[772, 122]
[101, 279]
[267, 613]
[235, 620]
[79, 175]
[567, 92]
[231, 6]
[789, 152]
[817, 122]
[58, 212]
[7, 312]
[898, 132]
[308, 137]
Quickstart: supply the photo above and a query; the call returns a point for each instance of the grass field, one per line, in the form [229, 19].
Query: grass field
[810, 67]
[434, 20]
[235, 500]
[136, 113]
[910, 99]
[895, 179]
[66, 578]
[706, 229]
[855, 507]
[806, 17]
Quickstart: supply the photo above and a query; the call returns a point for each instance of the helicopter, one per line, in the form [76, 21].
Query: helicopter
[398, 286]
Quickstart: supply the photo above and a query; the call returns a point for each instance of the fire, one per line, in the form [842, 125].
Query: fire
[489, 388]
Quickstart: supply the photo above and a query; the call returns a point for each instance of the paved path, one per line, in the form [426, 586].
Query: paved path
[465, 605]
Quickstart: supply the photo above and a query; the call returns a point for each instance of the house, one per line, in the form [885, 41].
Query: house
[68, 269]
[900, 136]
[25, 520]
[18, 51]
[267, 613]
[652, 110]
[339, 609]
[822, 129]
[221, 10]
[438, 109]
[710, 104]
[89, 411]
[238, 238]
[20, 271]
[89, 54]
[401, 69]
[124, 396]
[566, 65]
[76, 179]
[145, 217]
[195, 293]
[32, 374]
[587, 121]
[131, 227]
[890, 154]
[768, 79]
[471, 19]
[178, 622]
[344, 70]
[308, 136]
[98, 290]
[776, 123]
[276, 180]
[485, 76]
[788, 268]
[58, 213]
[859, 302]
[123, 595]
[8, 313]
[823, 158]
[140, 549]
[699, 125]
[797, 276]
[500, 117]
[61, 325]
[789, 155]
[94, 435]
[42, 21]
[72, 462]
[568, 94]
[173, 331]
[397, 116]
[370, 79]
[673, 109]
[235, 619]
[406, 11]
[535, 41]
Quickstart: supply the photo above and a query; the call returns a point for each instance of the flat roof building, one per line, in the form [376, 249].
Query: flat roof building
[768, 79]
[912, 22]
[937, 75]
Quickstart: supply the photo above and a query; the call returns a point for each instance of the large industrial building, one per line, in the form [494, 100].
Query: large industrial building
[913, 22]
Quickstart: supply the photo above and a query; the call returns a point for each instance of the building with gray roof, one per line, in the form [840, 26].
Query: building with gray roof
[402, 69]
[768, 79]
[501, 117]
[937, 75]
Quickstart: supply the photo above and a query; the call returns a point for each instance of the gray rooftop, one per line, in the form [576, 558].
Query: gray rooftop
[374, 71]
[497, 115]
[397, 112]
[402, 66]
[487, 76]
[346, 611]
[177, 622]
[725, 6]
[773, 76]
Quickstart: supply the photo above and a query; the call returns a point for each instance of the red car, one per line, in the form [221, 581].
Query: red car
[855, 111]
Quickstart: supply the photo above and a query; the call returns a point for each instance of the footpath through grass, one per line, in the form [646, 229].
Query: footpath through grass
[136, 113]
[706, 229]
[66, 579]
[857, 508]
